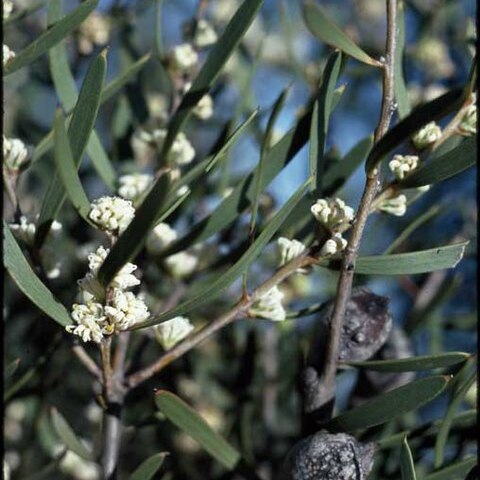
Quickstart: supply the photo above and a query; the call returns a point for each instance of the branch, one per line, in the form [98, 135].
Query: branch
[87, 361]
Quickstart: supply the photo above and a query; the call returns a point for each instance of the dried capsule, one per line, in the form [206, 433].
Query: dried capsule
[328, 456]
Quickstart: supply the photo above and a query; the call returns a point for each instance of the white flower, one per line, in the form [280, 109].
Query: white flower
[112, 213]
[181, 264]
[205, 34]
[182, 152]
[143, 145]
[427, 135]
[7, 54]
[7, 8]
[160, 238]
[332, 212]
[132, 186]
[173, 331]
[183, 58]
[89, 319]
[204, 108]
[468, 125]
[395, 206]
[269, 305]
[24, 231]
[78, 468]
[125, 309]
[157, 105]
[95, 30]
[290, 249]
[402, 165]
[333, 245]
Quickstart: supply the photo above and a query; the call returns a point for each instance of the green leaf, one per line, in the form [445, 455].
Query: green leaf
[215, 61]
[131, 241]
[66, 433]
[149, 467]
[10, 369]
[401, 93]
[240, 199]
[406, 462]
[320, 119]
[328, 31]
[410, 263]
[414, 364]
[22, 274]
[456, 471]
[67, 170]
[185, 418]
[51, 37]
[379, 410]
[422, 115]
[79, 130]
[445, 166]
[213, 289]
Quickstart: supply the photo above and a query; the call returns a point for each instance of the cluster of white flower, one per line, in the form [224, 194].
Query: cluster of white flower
[113, 214]
[333, 245]
[172, 331]
[15, 153]
[427, 135]
[403, 165]
[8, 54]
[180, 264]
[183, 58]
[288, 250]
[269, 305]
[468, 125]
[395, 206]
[7, 8]
[332, 212]
[205, 34]
[25, 229]
[131, 187]
[204, 108]
[94, 31]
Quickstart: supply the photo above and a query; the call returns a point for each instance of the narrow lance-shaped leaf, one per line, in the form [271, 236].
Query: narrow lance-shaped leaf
[27, 281]
[422, 362]
[454, 471]
[184, 417]
[133, 238]
[326, 30]
[51, 37]
[379, 410]
[79, 130]
[148, 468]
[401, 93]
[213, 289]
[10, 369]
[406, 462]
[217, 58]
[67, 170]
[66, 433]
[445, 166]
[428, 112]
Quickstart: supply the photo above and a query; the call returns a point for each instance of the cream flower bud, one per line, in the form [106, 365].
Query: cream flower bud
[181, 264]
[131, 187]
[402, 165]
[332, 212]
[288, 250]
[95, 30]
[183, 58]
[8, 54]
[427, 135]
[172, 331]
[7, 8]
[89, 319]
[395, 206]
[333, 245]
[204, 108]
[468, 125]
[269, 305]
[15, 153]
[160, 238]
[76, 467]
[111, 213]
[182, 152]
[205, 34]
[125, 310]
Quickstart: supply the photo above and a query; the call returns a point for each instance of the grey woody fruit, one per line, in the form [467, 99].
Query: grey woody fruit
[328, 456]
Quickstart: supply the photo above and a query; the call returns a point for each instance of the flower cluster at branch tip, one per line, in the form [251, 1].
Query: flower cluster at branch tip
[468, 125]
[403, 165]
[25, 230]
[333, 245]
[181, 264]
[113, 214]
[204, 108]
[131, 187]
[427, 135]
[288, 250]
[269, 305]
[395, 206]
[183, 58]
[94, 31]
[8, 54]
[15, 153]
[7, 8]
[332, 212]
[160, 238]
[172, 331]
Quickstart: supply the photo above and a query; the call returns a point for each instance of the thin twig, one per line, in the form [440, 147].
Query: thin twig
[345, 280]
[87, 361]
